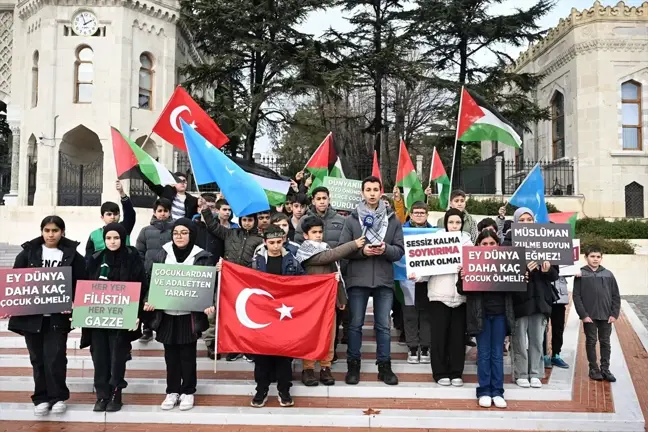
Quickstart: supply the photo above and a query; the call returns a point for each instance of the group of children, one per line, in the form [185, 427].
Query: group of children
[185, 232]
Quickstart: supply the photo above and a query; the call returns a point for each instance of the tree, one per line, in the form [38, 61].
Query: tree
[457, 32]
[256, 60]
[376, 48]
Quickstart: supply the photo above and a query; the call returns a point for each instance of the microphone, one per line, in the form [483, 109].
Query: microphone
[367, 222]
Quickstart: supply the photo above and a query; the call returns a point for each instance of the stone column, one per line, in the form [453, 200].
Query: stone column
[499, 161]
[419, 166]
[11, 198]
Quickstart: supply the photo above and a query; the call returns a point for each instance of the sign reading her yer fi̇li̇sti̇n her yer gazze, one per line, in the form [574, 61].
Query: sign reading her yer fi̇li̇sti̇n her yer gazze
[106, 304]
[182, 287]
[494, 269]
[35, 291]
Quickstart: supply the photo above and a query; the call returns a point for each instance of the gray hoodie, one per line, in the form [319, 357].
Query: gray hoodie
[596, 294]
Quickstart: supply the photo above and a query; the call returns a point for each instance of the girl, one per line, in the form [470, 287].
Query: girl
[46, 335]
[532, 310]
[446, 309]
[490, 318]
[110, 348]
[179, 330]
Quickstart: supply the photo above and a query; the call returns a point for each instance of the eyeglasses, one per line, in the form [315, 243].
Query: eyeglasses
[419, 214]
[180, 234]
[182, 180]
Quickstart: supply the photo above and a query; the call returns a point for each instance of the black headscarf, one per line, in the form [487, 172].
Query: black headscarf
[114, 259]
[453, 212]
[182, 254]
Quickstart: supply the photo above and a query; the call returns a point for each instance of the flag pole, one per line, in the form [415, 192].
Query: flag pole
[454, 151]
[216, 315]
[193, 173]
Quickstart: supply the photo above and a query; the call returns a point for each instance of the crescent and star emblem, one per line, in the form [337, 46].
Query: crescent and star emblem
[173, 118]
[241, 303]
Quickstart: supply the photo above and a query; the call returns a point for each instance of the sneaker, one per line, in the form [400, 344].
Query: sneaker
[335, 358]
[59, 407]
[385, 373]
[413, 356]
[470, 342]
[522, 382]
[186, 402]
[425, 355]
[147, 336]
[485, 401]
[607, 375]
[353, 372]
[210, 352]
[401, 339]
[42, 409]
[445, 382]
[326, 377]
[170, 401]
[499, 402]
[308, 378]
[457, 382]
[559, 362]
[248, 358]
[536, 383]
[259, 400]
[100, 405]
[233, 357]
[547, 362]
[285, 400]
[596, 375]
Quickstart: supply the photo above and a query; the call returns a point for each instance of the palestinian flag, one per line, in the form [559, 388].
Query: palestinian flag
[375, 171]
[407, 179]
[131, 161]
[565, 217]
[275, 189]
[478, 121]
[322, 161]
[337, 170]
[438, 175]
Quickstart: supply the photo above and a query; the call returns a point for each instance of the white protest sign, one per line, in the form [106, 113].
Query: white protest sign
[433, 253]
[571, 270]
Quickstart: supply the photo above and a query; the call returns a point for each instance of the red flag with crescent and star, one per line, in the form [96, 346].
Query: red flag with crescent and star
[182, 106]
[261, 313]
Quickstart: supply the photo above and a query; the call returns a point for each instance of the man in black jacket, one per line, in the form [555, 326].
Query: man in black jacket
[183, 204]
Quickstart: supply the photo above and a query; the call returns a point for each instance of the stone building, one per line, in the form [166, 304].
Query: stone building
[595, 67]
[70, 70]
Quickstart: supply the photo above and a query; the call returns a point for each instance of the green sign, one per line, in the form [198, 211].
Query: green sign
[181, 287]
[106, 304]
[345, 194]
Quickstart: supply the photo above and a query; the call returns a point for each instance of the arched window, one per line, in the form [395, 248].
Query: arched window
[145, 82]
[634, 200]
[631, 115]
[34, 95]
[558, 125]
[84, 75]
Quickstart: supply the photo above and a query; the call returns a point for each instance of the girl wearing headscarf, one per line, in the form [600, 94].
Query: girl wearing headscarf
[110, 348]
[532, 309]
[180, 330]
[446, 310]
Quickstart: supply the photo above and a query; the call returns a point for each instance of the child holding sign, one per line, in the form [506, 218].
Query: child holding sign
[110, 347]
[180, 330]
[46, 335]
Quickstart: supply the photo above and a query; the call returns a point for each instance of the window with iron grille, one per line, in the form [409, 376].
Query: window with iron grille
[558, 125]
[634, 200]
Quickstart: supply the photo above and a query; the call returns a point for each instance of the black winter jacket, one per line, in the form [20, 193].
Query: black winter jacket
[240, 244]
[475, 310]
[333, 224]
[169, 192]
[151, 239]
[31, 257]
[596, 294]
[132, 270]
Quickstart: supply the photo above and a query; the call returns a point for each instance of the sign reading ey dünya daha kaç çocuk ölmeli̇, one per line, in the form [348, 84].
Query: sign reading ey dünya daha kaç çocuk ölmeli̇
[35, 291]
[494, 269]
[181, 287]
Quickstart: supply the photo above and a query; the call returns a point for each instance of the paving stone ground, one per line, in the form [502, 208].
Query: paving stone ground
[639, 304]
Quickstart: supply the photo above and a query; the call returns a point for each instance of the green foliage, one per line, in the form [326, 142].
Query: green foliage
[486, 207]
[608, 246]
[619, 229]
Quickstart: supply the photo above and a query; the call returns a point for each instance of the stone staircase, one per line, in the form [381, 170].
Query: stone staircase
[8, 254]
[417, 403]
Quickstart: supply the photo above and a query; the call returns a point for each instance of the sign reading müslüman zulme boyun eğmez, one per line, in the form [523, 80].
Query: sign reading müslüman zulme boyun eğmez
[544, 242]
[181, 287]
[35, 291]
[106, 304]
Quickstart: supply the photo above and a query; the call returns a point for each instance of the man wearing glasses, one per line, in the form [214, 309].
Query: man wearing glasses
[183, 204]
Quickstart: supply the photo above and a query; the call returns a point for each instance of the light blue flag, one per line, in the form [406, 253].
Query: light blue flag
[404, 286]
[209, 164]
[530, 194]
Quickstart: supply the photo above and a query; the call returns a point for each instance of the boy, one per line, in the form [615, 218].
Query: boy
[487, 224]
[598, 304]
[282, 220]
[274, 259]
[299, 207]
[183, 204]
[318, 258]
[225, 214]
[458, 201]
[263, 221]
[150, 241]
[109, 214]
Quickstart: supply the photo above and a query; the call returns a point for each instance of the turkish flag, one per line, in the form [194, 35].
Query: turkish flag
[182, 106]
[261, 313]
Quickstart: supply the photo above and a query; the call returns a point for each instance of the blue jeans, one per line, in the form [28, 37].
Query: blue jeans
[490, 356]
[382, 304]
